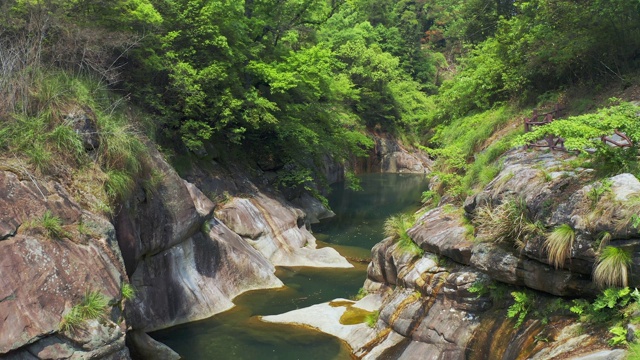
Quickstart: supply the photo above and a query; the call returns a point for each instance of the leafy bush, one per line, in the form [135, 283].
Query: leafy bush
[584, 132]
[612, 267]
[558, 245]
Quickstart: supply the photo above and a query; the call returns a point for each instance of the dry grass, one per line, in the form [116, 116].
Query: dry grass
[612, 268]
[508, 222]
[558, 245]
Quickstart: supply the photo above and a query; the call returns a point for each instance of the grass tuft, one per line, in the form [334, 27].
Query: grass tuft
[612, 267]
[71, 320]
[92, 306]
[508, 222]
[558, 245]
[119, 184]
[127, 291]
[396, 227]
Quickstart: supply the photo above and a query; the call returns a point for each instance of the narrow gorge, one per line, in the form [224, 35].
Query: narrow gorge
[320, 179]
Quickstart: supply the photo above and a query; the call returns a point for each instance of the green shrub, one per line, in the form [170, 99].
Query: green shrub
[584, 132]
[558, 245]
[430, 197]
[352, 181]
[612, 267]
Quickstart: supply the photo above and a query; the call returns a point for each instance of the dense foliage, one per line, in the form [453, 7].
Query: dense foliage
[292, 81]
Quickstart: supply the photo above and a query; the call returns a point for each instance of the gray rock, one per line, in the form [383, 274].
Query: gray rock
[197, 279]
[143, 347]
[624, 186]
[278, 231]
[443, 232]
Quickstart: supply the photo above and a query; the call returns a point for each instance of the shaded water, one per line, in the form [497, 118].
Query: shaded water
[357, 226]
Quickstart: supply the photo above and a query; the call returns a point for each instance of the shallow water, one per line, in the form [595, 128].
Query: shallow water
[239, 334]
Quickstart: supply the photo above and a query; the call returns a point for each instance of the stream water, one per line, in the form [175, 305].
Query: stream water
[239, 334]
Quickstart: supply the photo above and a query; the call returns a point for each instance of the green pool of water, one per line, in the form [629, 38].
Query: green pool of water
[239, 334]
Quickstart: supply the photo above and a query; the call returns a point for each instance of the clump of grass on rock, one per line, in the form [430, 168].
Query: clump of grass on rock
[508, 222]
[612, 268]
[558, 245]
[396, 227]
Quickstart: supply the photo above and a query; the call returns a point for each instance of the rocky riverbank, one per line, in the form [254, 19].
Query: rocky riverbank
[452, 302]
[186, 254]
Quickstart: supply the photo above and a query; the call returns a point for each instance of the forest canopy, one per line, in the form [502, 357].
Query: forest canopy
[295, 80]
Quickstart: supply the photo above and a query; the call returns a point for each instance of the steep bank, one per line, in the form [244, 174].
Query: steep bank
[453, 301]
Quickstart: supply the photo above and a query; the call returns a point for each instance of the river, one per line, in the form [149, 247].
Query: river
[239, 334]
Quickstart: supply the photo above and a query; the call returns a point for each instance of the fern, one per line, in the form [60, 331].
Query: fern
[520, 308]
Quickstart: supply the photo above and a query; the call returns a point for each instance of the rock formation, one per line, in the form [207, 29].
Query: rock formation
[438, 305]
[183, 261]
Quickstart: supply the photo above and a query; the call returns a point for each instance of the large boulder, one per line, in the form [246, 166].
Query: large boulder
[197, 278]
[46, 273]
[278, 231]
[443, 232]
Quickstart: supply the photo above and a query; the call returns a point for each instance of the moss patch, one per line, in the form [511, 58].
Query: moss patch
[341, 303]
[354, 315]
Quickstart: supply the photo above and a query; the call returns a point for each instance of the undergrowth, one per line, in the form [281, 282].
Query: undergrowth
[42, 129]
[462, 163]
[613, 309]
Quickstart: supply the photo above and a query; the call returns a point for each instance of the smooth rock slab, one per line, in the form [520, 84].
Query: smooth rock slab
[443, 232]
[197, 279]
[326, 318]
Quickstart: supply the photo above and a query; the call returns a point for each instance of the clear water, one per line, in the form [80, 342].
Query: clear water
[239, 334]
